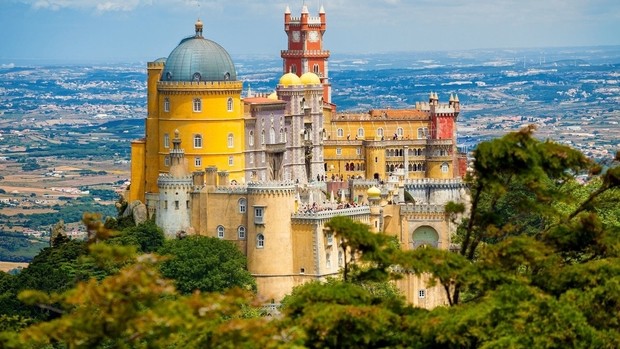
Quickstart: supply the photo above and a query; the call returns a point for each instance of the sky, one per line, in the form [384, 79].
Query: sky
[143, 30]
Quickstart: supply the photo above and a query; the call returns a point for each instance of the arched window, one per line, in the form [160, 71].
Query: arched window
[285, 133]
[340, 258]
[242, 205]
[229, 104]
[328, 260]
[380, 132]
[346, 166]
[231, 140]
[315, 68]
[282, 140]
[340, 132]
[262, 137]
[293, 69]
[166, 104]
[360, 132]
[197, 105]
[166, 140]
[399, 132]
[220, 231]
[251, 139]
[272, 136]
[445, 167]
[241, 232]
[260, 241]
[197, 141]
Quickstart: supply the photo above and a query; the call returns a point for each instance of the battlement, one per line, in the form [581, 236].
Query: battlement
[275, 187]
[304, 53]
[329, 214]
[192, 85]
[422, 208]
[425, 182]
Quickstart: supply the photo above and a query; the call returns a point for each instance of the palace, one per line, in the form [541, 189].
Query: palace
[267, 172]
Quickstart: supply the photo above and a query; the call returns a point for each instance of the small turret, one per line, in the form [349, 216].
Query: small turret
[287, 17]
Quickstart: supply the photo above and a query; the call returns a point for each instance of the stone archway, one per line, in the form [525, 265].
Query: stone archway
[424, 236]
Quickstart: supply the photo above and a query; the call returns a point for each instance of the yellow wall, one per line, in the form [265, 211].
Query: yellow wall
[136, 189]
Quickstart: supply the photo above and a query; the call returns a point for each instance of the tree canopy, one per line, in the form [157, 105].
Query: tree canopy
[538, 267]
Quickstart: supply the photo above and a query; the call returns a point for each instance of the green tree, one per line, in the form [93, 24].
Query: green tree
[206, 264]
[147, 237]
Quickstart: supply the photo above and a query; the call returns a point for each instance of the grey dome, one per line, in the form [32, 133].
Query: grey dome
[199, 59]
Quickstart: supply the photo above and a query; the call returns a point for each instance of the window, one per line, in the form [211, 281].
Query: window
[260, 241]
[282, 140]
[330, 239]
[422, 132]
[340, 258]
[198, 161]
[263, 157]
[251, 139]
[197, 105]
[421, 293]
[379, 132]
[328, 260]
[251, 158]
[360, 132]
[197, 141]
[358, 151]
[220, 231]
[399, 132]
[340, 132]
[259, 215]
[294, 69]
[262, 137]
[338, 151]
[272, 136]
[166, 140]
[445, 167]
[241, 232]
[165, 204]
[229, 104]
[315, 68]
[242, 205]
[230, 160]
[166, 104]
[176, 204]
[166, 160]
[196, 77]
[231, 140]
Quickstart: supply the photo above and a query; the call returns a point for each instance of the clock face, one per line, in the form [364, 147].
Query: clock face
[313, 36]
[296, 36]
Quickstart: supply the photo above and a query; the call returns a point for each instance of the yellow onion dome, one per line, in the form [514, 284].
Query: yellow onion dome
[310, 78]
[290, 79]
[273, 96]
[373, 192]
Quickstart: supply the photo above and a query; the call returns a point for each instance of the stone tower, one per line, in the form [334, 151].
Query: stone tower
[173, 213]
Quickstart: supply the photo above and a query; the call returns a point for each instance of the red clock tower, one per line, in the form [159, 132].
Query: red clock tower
[305, 47]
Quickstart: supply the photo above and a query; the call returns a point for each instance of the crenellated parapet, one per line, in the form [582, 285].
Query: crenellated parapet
[423, 212]
[271, 188]
[456, 183]
[168, 181]
[360, 213]
[193, 86]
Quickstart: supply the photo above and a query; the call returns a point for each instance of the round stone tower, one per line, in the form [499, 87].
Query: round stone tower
[173, 213]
